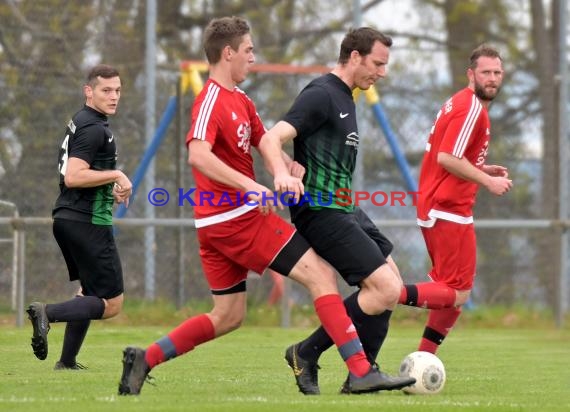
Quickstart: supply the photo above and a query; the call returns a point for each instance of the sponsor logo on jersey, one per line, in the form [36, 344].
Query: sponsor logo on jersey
[244, 136]
[352, 139]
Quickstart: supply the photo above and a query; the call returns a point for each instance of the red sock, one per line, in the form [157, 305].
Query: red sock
[439, 324]
[337, 324]
[430, 295]
[182, 339]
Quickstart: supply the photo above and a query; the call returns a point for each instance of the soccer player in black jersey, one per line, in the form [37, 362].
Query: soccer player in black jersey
[82, 226]
[322, 122]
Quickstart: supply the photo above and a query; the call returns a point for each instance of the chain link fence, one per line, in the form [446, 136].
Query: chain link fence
[40, 93]
[507, 274]
[506, 278]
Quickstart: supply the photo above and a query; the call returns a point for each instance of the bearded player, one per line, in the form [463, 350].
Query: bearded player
[452, 172]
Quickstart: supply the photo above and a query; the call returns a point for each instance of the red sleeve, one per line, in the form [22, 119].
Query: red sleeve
[204, 121]
[459, 131]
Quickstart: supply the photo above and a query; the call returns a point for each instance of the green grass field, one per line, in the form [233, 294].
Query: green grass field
[491, 369]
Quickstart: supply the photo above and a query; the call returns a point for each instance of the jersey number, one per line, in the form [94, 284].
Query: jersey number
[63, 155]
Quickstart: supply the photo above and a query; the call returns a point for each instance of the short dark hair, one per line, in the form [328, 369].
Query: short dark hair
[222, 32]
[101, 70]
[483, 50]
[361, 40]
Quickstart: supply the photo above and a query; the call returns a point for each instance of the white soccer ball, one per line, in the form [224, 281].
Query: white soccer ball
[428, 370]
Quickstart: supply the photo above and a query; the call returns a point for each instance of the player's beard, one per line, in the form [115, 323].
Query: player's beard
[482, 94]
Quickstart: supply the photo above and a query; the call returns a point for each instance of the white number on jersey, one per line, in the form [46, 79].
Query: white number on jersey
[63, 156]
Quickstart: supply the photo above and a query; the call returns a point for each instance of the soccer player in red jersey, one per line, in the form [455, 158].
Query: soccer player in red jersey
[452, 171]
[236, 234]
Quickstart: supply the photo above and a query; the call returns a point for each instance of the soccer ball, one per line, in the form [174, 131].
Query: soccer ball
[428, 371]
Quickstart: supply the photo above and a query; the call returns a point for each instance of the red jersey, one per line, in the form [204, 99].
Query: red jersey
[461, 128]
[228, 120]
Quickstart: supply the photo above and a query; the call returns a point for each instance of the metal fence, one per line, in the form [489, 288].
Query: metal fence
[515, 267]
[32, 267]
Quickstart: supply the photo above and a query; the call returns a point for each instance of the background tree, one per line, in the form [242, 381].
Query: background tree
[525, 32]
[46, 48]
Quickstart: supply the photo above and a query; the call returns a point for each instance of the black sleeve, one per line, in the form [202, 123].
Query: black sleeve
[86, 142]
[309, 111]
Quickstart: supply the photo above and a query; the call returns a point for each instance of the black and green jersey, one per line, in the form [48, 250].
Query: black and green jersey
[324, 116]
[89, 138]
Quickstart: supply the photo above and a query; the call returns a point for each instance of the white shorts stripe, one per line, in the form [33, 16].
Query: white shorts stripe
[223, 217]
[439, 214]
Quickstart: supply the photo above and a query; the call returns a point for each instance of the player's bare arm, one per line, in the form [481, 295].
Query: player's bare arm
[79, 174]
[462, 168]
[270, 148]
[201, 157]
[296, 169]
[496, 170]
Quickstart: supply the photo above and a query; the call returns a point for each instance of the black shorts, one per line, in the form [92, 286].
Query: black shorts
[291, 253]
[91, 257]
[350, 242]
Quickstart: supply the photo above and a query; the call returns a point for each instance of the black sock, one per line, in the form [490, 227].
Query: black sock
[374, 333]
[372, 329]
[311, 348]
[75, 332]
[78, 308]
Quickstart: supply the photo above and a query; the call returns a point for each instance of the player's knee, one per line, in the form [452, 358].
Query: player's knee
[374, 301]
[392, 293]
[385, 285]
[226, 322]
[234, 323]
[234, 319]
[462, 296]
[387, 296]
[113, 307]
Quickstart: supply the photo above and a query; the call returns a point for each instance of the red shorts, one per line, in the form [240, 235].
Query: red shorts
[229, 250]
[452, 249]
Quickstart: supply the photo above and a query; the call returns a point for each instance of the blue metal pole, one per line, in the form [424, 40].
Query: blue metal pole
[393, 142]
[167, 117]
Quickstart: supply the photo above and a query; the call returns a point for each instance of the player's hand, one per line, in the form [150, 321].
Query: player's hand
[120, 196]
[496, 170]
[296, 169]
[122, 189]
[290, 187]
[499, 185]
[267, 201]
